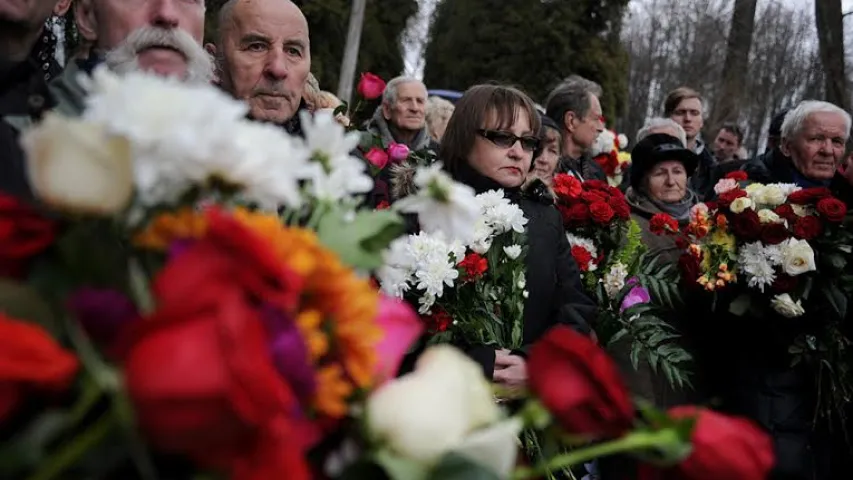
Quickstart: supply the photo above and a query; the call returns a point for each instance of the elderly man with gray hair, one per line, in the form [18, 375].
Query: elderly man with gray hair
[756, 377]
[575, 107]
[663, 125]
[402, 116]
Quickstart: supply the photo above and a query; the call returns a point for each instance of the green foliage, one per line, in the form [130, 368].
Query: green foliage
[530, 44]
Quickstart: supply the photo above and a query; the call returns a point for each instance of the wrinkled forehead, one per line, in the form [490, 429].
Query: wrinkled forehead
[407, 90]
[275, 19]
[826, 123]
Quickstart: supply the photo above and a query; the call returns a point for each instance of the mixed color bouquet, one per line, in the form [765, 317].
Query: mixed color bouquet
[778, 249]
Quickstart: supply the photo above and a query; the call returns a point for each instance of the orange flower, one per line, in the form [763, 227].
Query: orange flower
[170, 226]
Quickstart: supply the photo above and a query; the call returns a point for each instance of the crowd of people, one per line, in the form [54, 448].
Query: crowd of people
[494, 137]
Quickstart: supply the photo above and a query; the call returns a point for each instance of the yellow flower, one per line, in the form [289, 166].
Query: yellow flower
[723, 239]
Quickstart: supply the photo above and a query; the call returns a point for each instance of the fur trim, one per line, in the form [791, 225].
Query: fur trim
[403, 180]
[534, 188]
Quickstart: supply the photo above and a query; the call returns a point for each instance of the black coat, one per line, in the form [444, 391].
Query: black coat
[556, 294]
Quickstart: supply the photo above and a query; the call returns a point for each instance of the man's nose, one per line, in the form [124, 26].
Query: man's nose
[277, 67]
[164, 14]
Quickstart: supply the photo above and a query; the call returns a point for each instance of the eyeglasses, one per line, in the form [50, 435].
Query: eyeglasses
[507, 140]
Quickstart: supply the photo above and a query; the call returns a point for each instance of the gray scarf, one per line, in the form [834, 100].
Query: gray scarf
[679, 210]
[380, 125]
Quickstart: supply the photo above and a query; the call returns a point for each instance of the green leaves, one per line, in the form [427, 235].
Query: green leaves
[359, 238]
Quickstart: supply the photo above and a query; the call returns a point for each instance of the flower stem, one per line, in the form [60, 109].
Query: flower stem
[74, 450]
[631, 442]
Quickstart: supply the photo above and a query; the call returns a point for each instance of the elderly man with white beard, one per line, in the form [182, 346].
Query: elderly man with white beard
[158, 36]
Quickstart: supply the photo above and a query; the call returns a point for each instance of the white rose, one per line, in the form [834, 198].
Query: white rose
[513, 251]
[768, 216]
[494, 447]
[75, 166]
[801, 210]
[786, 306]
[797, 257]
[770, 195]
[741, 204]
[431, 411]
[752, 188]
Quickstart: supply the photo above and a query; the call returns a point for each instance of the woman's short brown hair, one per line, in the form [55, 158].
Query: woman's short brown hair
[473, 110]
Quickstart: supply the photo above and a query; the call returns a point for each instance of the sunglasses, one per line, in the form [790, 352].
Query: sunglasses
[507, 140]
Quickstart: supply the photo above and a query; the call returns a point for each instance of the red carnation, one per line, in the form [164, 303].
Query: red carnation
[580, 385]
[567, 186]
[609, 162]
[774, 233]
[832, 209]
[737, 175]
[596, 185]
[746, 225]
[808, 195]
[807, 228]
[712, 205]
[726, 198]
[24, 233]
[582, 257]
[787, 212]
[601, 212]
[663, 224]
[473, 267]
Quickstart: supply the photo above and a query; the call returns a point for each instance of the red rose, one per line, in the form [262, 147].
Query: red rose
[593, 196]
[712, 205]
[24, 233]
[787, 212]
[30, 360]
[774, 233]
[200, 369]
[566, 186]
[609, 162]
[579, 384]
[832, 209]
[691, 270]
[601, 212]
[473, 267]
[726, 198]
[723, 447]
[582, 257]
[620, 207]
[807, 228]
[596, 185]
[808, 195]
[377, 157]
[737, 175]
[578, 214]
[746, 225]
[784, 283]
[370, 86]
[663, 224]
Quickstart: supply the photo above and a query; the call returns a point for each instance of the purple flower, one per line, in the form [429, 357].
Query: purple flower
[289, 352]
[102, 312]
[638, 294]
[179, 246]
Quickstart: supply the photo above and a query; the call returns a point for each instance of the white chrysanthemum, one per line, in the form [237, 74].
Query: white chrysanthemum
[441, 204]
[482, 238]
[512, 251]
[499, 213]
[333, 173]
[758, 263]
[614, 280]
[184, 135]
[605, 142]
[788, 188]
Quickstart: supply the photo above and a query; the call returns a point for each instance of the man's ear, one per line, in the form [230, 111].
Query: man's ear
[210, 48]
[568, 120]
[61, 7]
[785, 147]
[85, 18]
[386, 111]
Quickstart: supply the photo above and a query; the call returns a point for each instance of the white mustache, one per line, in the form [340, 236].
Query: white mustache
[124, 58]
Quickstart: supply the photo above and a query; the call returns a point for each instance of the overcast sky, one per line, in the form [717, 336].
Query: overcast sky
[418, 29]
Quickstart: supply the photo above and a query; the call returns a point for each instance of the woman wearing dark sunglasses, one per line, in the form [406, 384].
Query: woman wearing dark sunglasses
[489, 144]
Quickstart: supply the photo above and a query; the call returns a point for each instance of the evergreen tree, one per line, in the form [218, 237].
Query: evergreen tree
[530, 44]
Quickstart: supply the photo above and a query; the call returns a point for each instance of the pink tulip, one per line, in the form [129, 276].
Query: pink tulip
[398, 152]
[377, 157]
[401, 326]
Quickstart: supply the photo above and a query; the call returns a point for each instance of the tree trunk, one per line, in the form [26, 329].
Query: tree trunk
[830, 34]
[356, 24]
[736, 67]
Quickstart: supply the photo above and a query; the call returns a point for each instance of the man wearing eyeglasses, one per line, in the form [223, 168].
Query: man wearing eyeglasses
[575, 107]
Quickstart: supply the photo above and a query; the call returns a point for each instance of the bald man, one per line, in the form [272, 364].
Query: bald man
[263, 56]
